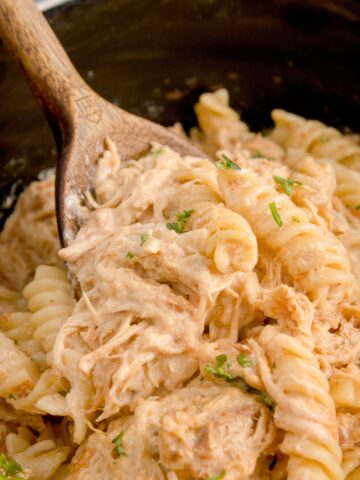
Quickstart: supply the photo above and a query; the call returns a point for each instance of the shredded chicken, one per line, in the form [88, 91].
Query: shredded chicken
[192, 433]
[216, 328]
[29, 237]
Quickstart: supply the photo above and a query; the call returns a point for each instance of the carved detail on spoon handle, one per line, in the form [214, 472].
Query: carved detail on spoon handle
[48, 70]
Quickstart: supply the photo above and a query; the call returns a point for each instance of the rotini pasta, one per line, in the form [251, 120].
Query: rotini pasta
[316, 261]
[293, 131]
[345, 387]
[16, 326]
[46, 397]
[297, 385]
[347, 185]
[346, 179]
[41, 460]
[231, 242]
[351, 464]
[220, 124]
[216, 333]
[10, 301]
[18, 374]
[349, 420]
[50, 299]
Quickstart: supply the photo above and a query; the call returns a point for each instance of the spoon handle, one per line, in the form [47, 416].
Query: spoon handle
[47, 68]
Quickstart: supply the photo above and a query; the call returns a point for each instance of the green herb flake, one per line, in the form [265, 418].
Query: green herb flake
[9, 468]
[267, 400]
[324, 138]
[219, 371]
[227, 164]
[275, 213]
[144, 237]
[357, 207]
[287, 184]
[118, 442]
[257, 155]
[260, 395]
[182, 218]
[153, 152]
[243, 360]
[218, 477]
[265, 132]
[130, 255]
[296, 219]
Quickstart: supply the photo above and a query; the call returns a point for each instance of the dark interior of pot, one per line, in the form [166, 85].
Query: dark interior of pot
[154, 58]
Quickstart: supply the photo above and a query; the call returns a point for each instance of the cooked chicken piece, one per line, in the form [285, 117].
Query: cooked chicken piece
[194, 433]
[30, 236]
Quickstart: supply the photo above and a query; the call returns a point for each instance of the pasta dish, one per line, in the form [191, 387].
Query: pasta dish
[213, 331]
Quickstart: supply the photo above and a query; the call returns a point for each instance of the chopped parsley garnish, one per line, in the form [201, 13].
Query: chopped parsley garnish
[243, 360]
[144, 237]
[226, 164]
[296, 219]
[267, 400]
[275, 213]
[118, 442]
[130, 255]
[182, 218]
[9, 469]
[218, 477]
[325, 138]
[287, 184]
[357, 207]
[153, 152]
[220, 372]
[257, 155]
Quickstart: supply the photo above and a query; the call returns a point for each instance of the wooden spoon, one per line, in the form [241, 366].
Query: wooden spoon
[79, 118]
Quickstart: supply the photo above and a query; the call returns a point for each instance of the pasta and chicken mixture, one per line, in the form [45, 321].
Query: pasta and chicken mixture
[215, 329]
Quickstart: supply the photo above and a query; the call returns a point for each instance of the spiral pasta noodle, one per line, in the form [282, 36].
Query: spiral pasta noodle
[18, 374]
[10, 301]
[41, 459]
[293, 131]
[304, 408]
[317, 262]
[347, 180]
[16, 326]
[351, 464]
[221, 126]
[48, 396]
[201, 173]
[345, 391]
[217, 333]
[345, 387]
[231, 242]
[347, 185]
[51, 302]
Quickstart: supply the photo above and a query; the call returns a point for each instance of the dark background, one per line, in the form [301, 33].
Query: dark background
[154, 58]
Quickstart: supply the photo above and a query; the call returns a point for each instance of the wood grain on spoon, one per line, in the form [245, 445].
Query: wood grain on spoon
[79, 118]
